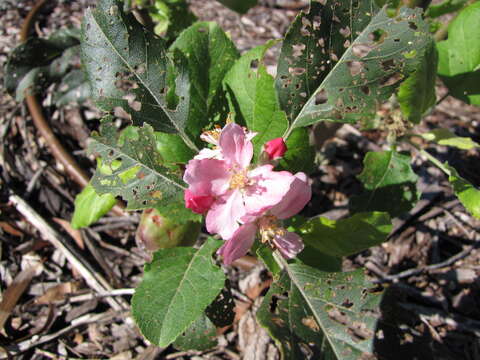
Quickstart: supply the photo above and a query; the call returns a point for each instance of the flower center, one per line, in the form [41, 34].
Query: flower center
[269, 227]
[238, 181]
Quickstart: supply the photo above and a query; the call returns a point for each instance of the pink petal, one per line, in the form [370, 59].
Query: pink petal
[207, 153]
[236, 149]
[295, 199]
[207, 177]
[268, 189]
[198, 204]
[275, 148]
[225, 213]
[289, 244]
[239, 244]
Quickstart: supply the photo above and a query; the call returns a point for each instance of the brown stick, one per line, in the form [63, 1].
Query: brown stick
[57, 149]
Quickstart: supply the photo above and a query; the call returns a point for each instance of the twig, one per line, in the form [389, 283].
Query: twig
[92, 296]
[412, 272]
[15, 350]
[92, 278]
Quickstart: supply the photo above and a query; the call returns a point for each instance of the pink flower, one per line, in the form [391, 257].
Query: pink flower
[198, 204]
[275, 148]
[238, 191]
[288, 243]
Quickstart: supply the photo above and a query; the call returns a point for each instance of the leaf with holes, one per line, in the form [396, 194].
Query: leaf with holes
[459, 56]
[203, 44]
[468, 195]
[313, 45]
[369, 71]
[344, 308]
[177, 287]
[153, 185]
[416, 94]
[200, 336]
[390, 184]
[346, 236]
[252, 92]
[447, 138]
[289, 320]
[74, 88]
[128, 68]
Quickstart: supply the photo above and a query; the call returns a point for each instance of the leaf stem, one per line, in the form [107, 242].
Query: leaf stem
[430, 157]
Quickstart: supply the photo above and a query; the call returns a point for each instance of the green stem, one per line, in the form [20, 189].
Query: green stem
[431, 158]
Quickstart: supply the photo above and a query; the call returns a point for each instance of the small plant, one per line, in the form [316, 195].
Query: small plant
[213, 137]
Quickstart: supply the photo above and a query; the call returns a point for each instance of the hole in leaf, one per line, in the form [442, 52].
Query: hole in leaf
[346, 32]
[298, 50]
[321, 97]
[391, 80]
[361, 50]
[388, 65]
[378, 36]
[412, 25]
[365, 89]
[355, 67]
[254, 64]
[296, 71]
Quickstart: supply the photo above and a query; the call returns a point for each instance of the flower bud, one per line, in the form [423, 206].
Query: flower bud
[155, 231]
[275, 148]
[198, 204]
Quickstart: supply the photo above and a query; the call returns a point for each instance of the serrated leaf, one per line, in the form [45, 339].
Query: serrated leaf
[385, 168]
[128, 67]
[153, 185]
[204, 43]
[300, 155]
[346, 236]
[177, 287]
[289, 320]
[445, 7]
[240, 6]
[447, 138]
[369, 71]
[468, 195]
[459, 56]
[254, 96]
[89, 207]
[344, 308]
[200, 336]
[416, 94]
[73, 88]
[390, 184]
[312, 46]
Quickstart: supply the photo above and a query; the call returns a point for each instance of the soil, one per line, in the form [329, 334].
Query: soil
[429, 265]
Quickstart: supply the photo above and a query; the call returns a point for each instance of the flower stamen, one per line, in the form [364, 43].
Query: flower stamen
[238, 181]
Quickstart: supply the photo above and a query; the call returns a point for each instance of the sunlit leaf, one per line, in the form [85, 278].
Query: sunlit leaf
[89, 207]
[177, 287]
[468, 195]
[447, 138]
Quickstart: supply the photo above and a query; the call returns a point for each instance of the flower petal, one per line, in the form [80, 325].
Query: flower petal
[225, 213]
[289, 244]
[207, 177]
[207, 153]
[239, 244]
[198, 204]
[268, 189]
[236, 148]
[295, 199]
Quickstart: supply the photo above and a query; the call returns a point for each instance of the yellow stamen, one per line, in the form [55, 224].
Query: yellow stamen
[238, 181]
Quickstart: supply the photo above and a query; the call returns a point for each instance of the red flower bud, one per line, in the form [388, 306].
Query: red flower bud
[275, 148]
[198, 204]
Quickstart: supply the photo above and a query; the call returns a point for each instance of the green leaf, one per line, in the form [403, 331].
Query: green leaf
[128, 67]
[313, 257]
[265, 253]
[89, 207]
[416, 94]
[153, 185]
[288, 319]
[459, 56]
[445, 7]
[312, 46]
[386, 168]
[177, 287]
[240, 6]
[221, 311]
[369, 71]
[468, 195]
[203, 44]
[200, 336]
[346, 236]
[344, 308]
[74, 88]
[300, 155]
[172, 149]
[390, 183]
[254, 96]
[447, 138]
